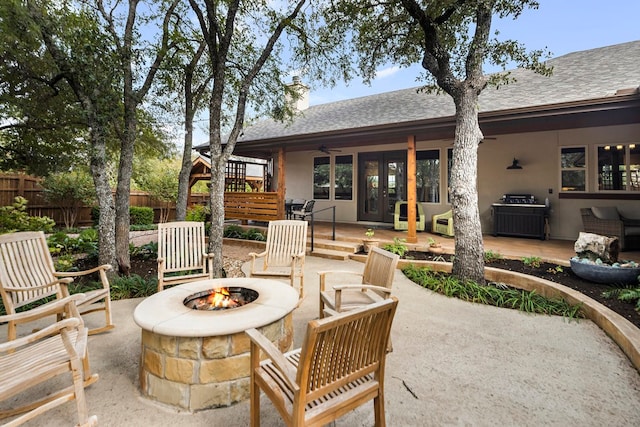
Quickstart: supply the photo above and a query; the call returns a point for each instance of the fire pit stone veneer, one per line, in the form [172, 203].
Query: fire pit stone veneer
[194, 360]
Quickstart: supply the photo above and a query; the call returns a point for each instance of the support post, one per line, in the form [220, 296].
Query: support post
[411, 189]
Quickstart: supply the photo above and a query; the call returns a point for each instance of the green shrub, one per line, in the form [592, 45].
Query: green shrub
[397, 247]
[491, 294]
[532, 261]
[233, 231]
[140, 215]
[196, 213]
[490, 256]
[15, 218]
[254, 234]
[132, 286]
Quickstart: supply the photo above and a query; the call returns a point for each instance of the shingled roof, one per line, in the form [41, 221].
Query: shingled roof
[590, 74]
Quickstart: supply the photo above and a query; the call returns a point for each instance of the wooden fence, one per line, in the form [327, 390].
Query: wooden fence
[12, 185]
[256, 206]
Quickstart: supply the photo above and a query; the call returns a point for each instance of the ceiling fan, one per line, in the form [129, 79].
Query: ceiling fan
[323, 148]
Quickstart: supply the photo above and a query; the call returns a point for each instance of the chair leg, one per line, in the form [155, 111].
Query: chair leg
[378, 408]
[255, 403]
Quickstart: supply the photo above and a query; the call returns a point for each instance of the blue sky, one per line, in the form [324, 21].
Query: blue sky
[561, 26]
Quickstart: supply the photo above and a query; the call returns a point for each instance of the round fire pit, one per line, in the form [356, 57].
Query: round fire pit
[198, 359]
[221, 299]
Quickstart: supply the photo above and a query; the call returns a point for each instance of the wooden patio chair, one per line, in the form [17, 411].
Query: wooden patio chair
[339, 367]
[27, 275]
[55, 350]
[182, 253]
[375, 286]
[284, 252]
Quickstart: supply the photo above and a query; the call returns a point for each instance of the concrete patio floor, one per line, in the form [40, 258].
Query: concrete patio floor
[454, 363]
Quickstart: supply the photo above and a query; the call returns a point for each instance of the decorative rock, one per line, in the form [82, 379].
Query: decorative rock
[603, 273]
[594, 246]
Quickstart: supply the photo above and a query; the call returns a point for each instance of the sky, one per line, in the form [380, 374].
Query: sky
[560, 26]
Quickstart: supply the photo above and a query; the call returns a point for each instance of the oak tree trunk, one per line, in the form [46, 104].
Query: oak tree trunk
[468, 263]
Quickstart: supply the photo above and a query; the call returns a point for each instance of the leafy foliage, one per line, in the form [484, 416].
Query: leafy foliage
[197, 213]
[490, 294]
[237, 232]
[397, 247]
[71, 191]
[532, 261]
[490, 256]
[141, 215]
[625, 294]
[15, 218]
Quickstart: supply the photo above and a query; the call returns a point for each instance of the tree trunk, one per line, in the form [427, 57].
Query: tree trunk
[106, 220]
[216, 201]
[468, 263]
[185, 169]
[123, 189]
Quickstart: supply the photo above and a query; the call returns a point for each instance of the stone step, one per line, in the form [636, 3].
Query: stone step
[335, 245]
[330, 254]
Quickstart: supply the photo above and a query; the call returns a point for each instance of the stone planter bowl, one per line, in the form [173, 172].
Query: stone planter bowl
[604, 273]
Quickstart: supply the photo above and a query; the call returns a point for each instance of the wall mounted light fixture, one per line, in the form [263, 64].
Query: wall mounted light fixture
[514, 165]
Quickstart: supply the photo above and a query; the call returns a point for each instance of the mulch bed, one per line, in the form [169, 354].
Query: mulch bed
[565, 277]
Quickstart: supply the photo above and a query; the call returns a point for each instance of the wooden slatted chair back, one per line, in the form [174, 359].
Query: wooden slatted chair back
[182, 244]
[342, 349]
[26, 269]
[340, 366]
[380, 268]
[182, 249]
[285, 238]
[27, 275]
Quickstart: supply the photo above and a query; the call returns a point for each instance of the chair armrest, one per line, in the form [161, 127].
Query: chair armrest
[386, 291]
[278, 359]
[104, 267]
[63, 282]
[257, 255]
[53, 307]
[323, 275]
[72, 322]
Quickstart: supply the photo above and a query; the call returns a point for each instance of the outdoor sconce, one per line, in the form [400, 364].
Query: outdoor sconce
[514, 165]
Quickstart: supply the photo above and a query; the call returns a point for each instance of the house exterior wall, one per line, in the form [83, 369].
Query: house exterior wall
[537, 152]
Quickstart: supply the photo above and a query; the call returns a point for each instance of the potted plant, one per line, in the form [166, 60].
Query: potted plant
[434, 246]
[369, 241]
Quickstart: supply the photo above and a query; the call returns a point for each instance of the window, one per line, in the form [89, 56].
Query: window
[344, 178]
[428, 176]
[618, 167]
[573, 172]
[321, 174]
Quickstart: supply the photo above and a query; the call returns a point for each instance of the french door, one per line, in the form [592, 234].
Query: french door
[382, 180]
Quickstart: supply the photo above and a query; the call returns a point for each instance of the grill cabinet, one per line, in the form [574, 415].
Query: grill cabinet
[522, 220]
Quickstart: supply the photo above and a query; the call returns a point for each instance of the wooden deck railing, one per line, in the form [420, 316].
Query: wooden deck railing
[259, 206]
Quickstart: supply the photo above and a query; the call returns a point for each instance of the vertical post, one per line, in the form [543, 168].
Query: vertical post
[281, 183]
[411, 189]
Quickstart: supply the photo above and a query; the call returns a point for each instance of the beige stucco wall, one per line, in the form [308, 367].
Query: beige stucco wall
[537, 152]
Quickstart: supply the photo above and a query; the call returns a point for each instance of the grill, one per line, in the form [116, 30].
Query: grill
[519, 215]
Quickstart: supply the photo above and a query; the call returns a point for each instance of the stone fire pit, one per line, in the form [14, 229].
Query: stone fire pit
[192, 359]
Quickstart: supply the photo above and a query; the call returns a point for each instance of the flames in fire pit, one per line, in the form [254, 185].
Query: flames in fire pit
[221, 299]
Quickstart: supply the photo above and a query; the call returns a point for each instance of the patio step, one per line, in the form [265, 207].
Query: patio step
[333, 249]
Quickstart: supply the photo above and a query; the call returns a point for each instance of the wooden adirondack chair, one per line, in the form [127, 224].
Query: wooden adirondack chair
[182, 253]
[375, 285]
[284, 252]
[27, 275]
[55, 350]
[339, 367]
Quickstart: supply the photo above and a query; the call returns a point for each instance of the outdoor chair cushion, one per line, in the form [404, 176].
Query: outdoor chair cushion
[605, 212]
